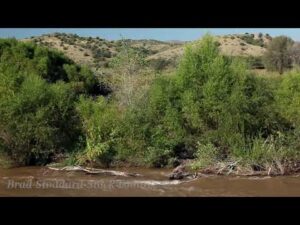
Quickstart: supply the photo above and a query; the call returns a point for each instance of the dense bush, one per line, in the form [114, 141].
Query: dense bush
[197, 106]
[100, 123]
[206, 154]
[38, 120]
[156, 123]
[37, 97]
[216, 87]
[288, 97]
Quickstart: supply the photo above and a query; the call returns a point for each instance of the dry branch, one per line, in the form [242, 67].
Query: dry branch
[95, 171]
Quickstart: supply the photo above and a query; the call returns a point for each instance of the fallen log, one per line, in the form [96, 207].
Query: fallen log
[95, 171]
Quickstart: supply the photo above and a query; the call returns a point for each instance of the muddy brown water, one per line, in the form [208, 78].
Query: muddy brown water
[40, 181]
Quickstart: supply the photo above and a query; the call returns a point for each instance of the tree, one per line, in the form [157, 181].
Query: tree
[128, 65]
[277, 56]
[295, 54]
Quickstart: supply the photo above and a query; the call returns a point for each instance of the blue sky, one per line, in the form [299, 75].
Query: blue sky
[164, 34]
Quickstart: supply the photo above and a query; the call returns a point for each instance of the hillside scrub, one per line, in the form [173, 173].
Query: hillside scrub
[249, 38]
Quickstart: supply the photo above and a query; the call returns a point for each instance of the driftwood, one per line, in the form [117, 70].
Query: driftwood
[180, 173]
[95, 171]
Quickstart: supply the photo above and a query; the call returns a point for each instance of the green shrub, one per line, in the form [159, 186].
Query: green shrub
[153, 125]
[206, 155]
[214, 88]
[198, 104]
[249, 39]
[38, 120]
[100, 124]
[218, 43]
[159, 64]
[255, 62]
[288, 97]
[37, 99]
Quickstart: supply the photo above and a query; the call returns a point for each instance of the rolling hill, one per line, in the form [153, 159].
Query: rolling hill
[97, 52]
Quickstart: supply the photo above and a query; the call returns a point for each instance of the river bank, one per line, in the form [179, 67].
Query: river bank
[40, 181]
[185, 168]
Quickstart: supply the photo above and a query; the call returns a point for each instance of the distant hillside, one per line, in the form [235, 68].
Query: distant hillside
[97, 52]
[235, 45]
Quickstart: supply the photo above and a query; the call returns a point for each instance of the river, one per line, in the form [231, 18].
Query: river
[42, 182]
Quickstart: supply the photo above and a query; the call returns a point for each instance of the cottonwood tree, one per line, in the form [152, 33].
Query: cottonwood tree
[295, 54]
[127, 65]
[277, 56]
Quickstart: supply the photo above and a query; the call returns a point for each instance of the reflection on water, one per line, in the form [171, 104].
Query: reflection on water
[39, 181]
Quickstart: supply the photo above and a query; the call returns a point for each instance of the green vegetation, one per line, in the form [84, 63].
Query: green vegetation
[249, 38]
[212, 110]
[254, 62]
[100, 124]
[196, 106]
[160, 64]
[101, 53]
[38, 90]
